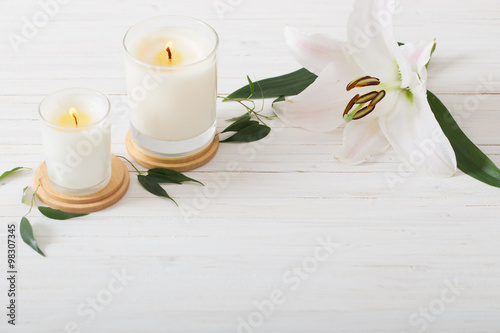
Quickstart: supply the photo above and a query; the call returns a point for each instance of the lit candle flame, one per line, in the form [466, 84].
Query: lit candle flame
[73, 113]
[169, 51]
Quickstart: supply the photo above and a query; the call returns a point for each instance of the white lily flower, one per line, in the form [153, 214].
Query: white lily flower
[386, 106]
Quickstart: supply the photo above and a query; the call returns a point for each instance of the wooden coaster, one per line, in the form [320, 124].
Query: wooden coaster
[184, 163]
[108, 196]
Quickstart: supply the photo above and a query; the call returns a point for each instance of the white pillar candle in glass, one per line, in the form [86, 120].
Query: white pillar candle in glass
[171, 71]
[76, 133]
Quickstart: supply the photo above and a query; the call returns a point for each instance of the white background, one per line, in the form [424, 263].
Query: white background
[203, 267]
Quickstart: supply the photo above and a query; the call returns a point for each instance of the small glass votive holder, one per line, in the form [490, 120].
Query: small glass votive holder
[76, 133]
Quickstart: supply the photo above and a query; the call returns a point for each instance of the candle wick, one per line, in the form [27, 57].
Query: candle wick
[76, 119]
[169, 53]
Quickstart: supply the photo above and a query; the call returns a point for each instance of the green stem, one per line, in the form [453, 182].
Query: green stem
[33, 201]
[258, 118]
[250, 111]
[132, 164]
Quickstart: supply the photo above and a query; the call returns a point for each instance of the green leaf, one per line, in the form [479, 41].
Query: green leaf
[279, 99]
[249, 134]
[239, 125]
[153, 187]
[246, 116]
[8, 173]
[26, 232]
[165, 176]
[286, 85]
[470, 159]
[57, 214]
[252, 86]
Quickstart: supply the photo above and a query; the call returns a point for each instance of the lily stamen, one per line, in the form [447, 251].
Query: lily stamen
[367, 97]
[372, 99]
[363, 112]
[363, 81]
[350, 105]
[380, 96]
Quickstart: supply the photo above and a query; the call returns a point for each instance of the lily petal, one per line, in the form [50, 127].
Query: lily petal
[362, 140]
[371, 39]
[415, 134]
[321, 105]
[315, 52]
[419, 55]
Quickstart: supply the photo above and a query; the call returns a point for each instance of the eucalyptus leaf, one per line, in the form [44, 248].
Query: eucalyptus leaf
[249, 134]
[239, 125]
[8, 173]
[246, 116]
[279, 99]
[57, 214]
[286, 85]
[26, 232]
[165, 176]
[252, 86]
[470, 159]
[153, 187]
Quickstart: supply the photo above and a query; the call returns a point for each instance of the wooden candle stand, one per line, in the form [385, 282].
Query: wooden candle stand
[111, 194]
[184, 163]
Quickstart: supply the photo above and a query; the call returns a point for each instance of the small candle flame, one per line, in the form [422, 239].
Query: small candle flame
[169, 51]
[74, 113]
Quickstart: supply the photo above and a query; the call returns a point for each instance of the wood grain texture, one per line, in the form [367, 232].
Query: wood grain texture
[214, 261]
[108, 196]
[180, 164]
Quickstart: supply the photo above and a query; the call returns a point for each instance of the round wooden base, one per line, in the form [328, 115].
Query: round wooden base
[184, 163]
[111, 194]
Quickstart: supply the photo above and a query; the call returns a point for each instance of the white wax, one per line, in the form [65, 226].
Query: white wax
[78, 159]
[172, 103]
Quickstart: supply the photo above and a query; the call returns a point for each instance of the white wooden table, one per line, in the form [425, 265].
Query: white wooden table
[244, 253]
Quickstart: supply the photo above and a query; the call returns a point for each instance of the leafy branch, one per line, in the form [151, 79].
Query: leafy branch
[150, 180]
[8, 173]
[245, 129]
[29, 198]
[25, 229]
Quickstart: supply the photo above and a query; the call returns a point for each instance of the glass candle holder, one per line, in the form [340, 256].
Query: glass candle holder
[76, 133]
[171, 74]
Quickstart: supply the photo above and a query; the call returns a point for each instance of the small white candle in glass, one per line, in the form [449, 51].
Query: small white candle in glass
[76, 133]
[171, 71]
